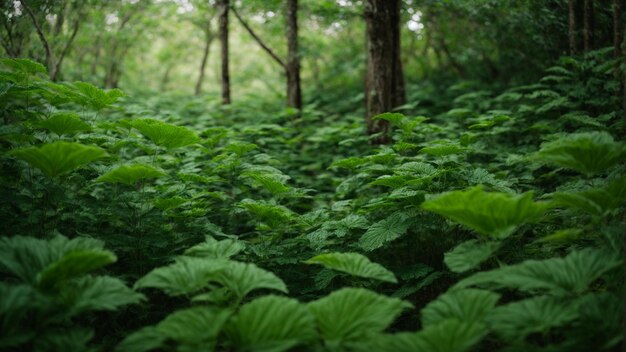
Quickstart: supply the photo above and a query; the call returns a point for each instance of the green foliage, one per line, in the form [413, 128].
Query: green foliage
[589, 153]
[271, 323]
[94, 97]
[58, 158]
[130, 174]
[384, 231]
[354, 264]
[467, 305]
[165, 135]
[492, 214]
[65, 124]
[212, 248]
[595, 201]
[469, 254]
[353, 314]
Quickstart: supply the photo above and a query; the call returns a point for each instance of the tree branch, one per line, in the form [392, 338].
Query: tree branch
[42, 37]
[67, 46]
[258, 40]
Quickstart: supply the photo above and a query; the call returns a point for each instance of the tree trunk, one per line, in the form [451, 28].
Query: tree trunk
[399, 92]
[379, 85]
[166, 77]
[588, 26]
[205, 56]
[223, 24]
[292, 67]
[617, 29]
[572, 27]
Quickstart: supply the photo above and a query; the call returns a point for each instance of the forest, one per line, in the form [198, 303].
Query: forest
[313, 175]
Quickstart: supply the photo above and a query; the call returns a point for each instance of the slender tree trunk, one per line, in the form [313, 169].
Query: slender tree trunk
[205, 56]
[380, 66]
[572, 27]
[588, 26]
[166, 77]
[292, 66]
[617, 29]
[399, 91]
[224, 6]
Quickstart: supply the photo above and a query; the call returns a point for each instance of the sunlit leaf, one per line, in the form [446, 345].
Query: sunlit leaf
[165, 134]
[354, 264]
[64, 123]
[130, 174]
[469, 255]
[58, 158]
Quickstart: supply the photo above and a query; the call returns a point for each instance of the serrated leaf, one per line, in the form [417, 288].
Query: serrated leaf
[130, 174]
[354, 264]
[384, 231]
[352, 314]
[467, 305]
[448, 336]
[595, 201]
[469, 254]
[58, 158]
[97, 293]
[165, 134]
[242, 278]
[589, 153]
[195, 328]
[492, 214]
[73, 264]
[212, 248]
[64, 123]
[560, 276]
[271, 323]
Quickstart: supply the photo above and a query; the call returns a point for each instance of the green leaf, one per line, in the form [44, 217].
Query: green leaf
[26, 257]
[492, 214]
[195, 328]
[164, 134]
[26, 66]
[94, 97]
[185, 276]
[596, 201]
[271, 324]
[242, 278]
[354, 264]
[212, 248]
[467, 305]
[90, 293]
[130, 174]
[146, 339]
[273, 214]
[352, 314]
[589, 153]
[515, 321]
[73, 264]
[560, 276]
[64, 123]
[469, 254]
[58, 158]
[448, 336]
[384, 231]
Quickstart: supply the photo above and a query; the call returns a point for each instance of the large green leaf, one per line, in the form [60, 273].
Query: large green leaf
[588, 153]
[94, 97]
[130, 174]
[596, 201]
[354, 264]
[489, 213]
[97, 293]
[25, 257]
[165, 134]
[562, 276]
[352, 314]
[469, 254]
[271, 324]
[196, 328]
[242, 278]
[185, 276]
[515, 321]
[74, 264]
[64, 123]
[448, 336]
[384, 231]
[58, 158]
[212, 248]
[468, 305]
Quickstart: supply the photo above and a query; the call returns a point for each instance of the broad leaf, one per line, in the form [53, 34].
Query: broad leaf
[130, 174]
[165, 134]
[384, 231]
[488, 213]
[596, 201]
[589, 153]
[58, 158]
[562, 276]
[469, 254]
[271, 323]
[468, 305]
[195, 328]
[64, 123]
[242, 278]
[212, 248]
[354, 264]
[97, 293]
[73, 264]
[352, 314]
